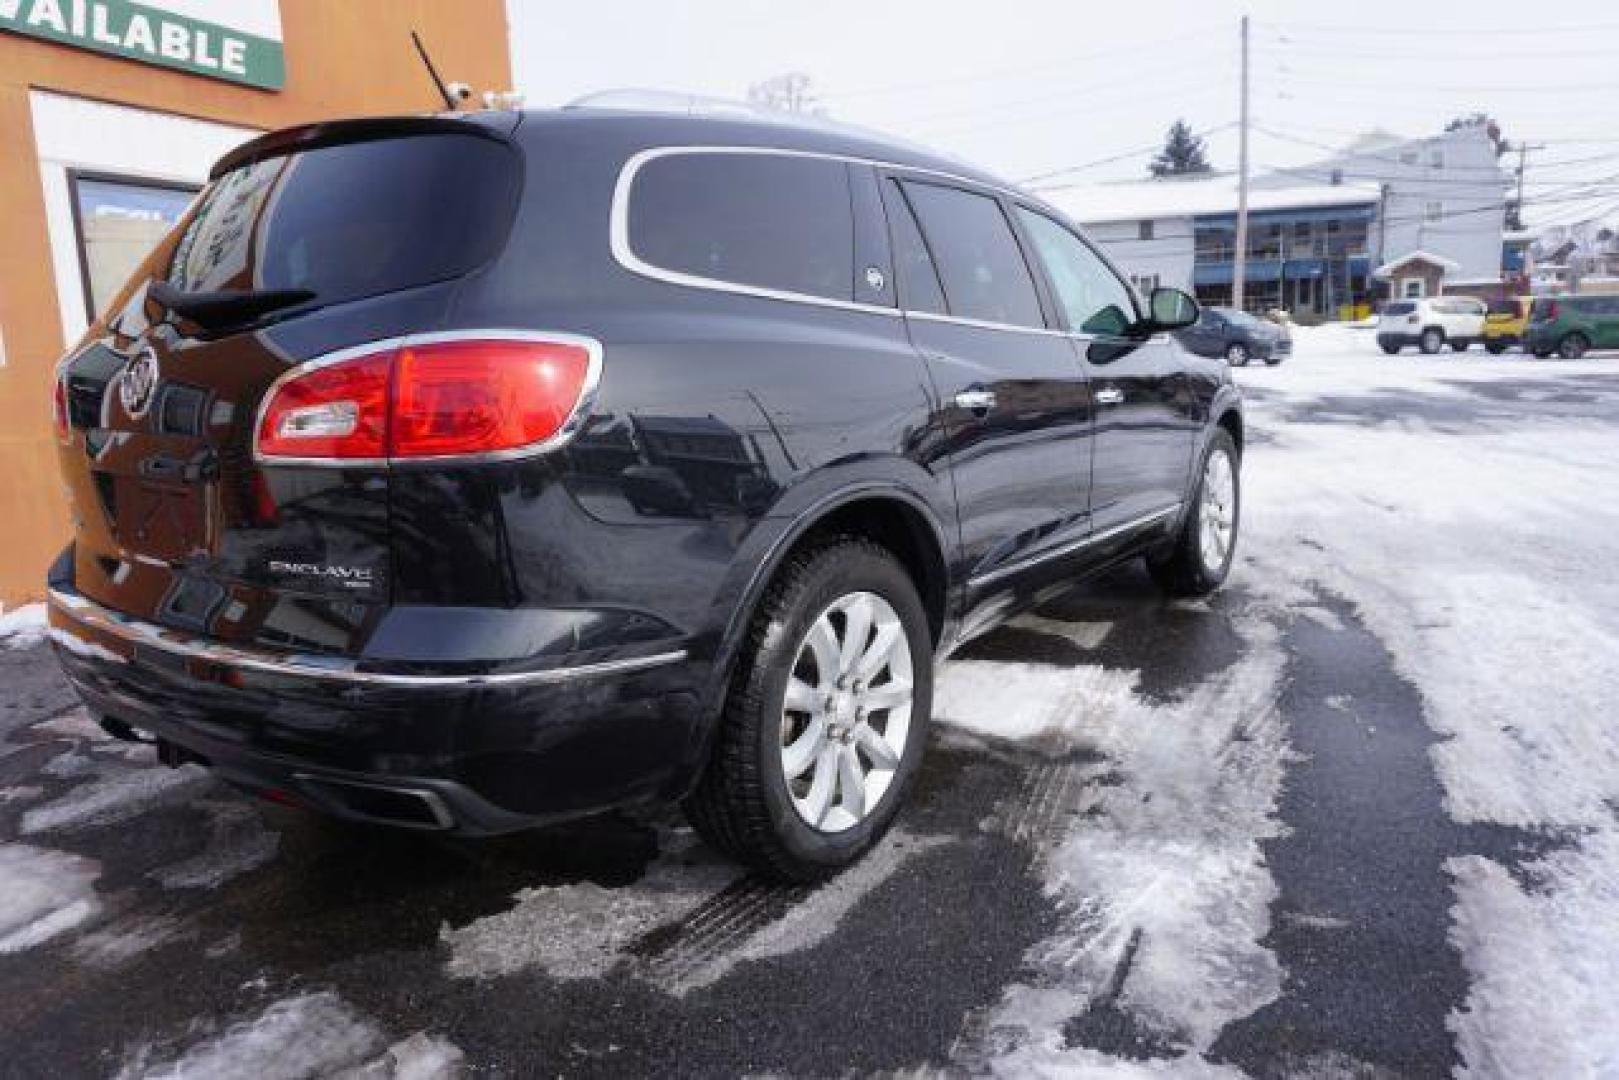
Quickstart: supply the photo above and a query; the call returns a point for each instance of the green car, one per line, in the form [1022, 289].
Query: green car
[1571, 325]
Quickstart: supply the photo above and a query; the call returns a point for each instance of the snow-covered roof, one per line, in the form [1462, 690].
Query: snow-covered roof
[1447, 265]
[1132, 201]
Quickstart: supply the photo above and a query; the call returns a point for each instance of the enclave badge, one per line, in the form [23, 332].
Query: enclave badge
[139, 380]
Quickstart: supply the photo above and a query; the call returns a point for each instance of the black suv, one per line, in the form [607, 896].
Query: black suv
[466, 473]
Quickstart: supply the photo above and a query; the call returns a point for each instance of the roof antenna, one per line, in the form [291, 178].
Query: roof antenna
[444, 91]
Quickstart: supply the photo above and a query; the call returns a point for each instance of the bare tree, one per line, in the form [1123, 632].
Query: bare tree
[790, 92]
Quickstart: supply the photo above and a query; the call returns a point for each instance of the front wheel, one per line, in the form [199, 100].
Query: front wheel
[1199, 559]
[1432, 340]
[823, 728]
[1236, 354]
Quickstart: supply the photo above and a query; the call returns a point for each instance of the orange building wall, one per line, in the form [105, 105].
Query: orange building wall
[343, 58]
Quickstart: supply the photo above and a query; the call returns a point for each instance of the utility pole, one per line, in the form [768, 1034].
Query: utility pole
[1524, 150]
[1239, 270]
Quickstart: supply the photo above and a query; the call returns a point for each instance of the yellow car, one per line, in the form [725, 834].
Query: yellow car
[1505, 322]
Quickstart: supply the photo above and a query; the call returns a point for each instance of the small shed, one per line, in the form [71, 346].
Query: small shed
[1416, 274]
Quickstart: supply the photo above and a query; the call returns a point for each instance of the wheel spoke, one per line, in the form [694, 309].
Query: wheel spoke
[802, 697]
[877, 749]
[823, 642]
[876, 657]
[851, 783]
[819, 799]
[890, 695]
[857, 617]
[800, 754]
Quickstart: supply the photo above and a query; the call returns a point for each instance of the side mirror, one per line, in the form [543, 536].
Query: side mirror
[1171, 309]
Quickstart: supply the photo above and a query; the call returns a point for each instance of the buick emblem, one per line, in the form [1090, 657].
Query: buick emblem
[140, 379]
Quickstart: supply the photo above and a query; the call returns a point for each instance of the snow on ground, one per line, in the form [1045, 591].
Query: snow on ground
[1482, 552]
[308, 1035]
[1475, 536]
[42, 894]
[21, 627]
[1163, 894]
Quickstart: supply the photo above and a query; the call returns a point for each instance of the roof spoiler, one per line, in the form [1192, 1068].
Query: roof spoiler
[337, 132]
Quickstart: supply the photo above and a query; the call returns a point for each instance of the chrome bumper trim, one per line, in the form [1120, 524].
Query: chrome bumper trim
[310, 666]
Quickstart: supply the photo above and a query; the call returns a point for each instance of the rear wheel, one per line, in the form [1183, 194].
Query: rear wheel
[1390, 350]
[824, 724]
[1432, 340]
[1573, 346]
[1198, 560]
[1236, 354]
[1495, 348]
[1460, 345]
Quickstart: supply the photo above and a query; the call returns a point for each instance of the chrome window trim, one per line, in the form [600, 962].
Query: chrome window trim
[1074, 545]
[564, 434]
[136, 632]
[618, 234]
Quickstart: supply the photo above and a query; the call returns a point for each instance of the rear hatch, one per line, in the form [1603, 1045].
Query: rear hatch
[305, 242]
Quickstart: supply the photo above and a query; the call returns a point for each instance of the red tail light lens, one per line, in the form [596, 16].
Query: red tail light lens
[337, 411]
[459, 397]
[1551, 311]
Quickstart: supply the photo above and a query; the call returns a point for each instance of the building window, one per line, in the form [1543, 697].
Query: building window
[1411, 288]
[1144, 230]
[1433, 211]
[1408, 157]
[1436, 159]
[118, 222]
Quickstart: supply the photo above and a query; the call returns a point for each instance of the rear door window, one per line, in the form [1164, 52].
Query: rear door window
[767, 221]
[979, 261]
[352, 220]
[1399, 307]
[918, 279]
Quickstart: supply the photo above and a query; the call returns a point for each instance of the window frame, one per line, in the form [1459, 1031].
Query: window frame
[1058, 314]
[623, 248]
[75, 176]
[1045, 301]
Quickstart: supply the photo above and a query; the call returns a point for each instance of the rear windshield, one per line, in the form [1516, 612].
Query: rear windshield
[352, 220]
[1399, 307]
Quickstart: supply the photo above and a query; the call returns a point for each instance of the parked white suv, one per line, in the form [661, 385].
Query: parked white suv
[1431, 323]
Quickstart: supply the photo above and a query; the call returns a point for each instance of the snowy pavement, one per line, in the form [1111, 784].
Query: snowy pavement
[1358, 815]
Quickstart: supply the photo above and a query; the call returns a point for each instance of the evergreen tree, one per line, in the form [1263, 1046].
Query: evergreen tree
[1182, 154]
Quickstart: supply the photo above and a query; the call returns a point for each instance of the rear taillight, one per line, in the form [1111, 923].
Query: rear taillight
[439, 396]
[1549, 313]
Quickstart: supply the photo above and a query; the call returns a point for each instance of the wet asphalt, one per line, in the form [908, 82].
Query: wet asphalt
[893, 981]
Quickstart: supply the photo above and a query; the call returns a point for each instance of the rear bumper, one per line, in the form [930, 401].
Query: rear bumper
[467, 753]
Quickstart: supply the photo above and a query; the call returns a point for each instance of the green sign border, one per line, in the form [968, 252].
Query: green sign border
[264, 61]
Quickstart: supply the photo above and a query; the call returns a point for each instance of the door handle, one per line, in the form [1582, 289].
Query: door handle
[979, 401]
[1109, 395]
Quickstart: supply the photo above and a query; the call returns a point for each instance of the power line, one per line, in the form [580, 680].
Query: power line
[1124, 156]
[1446, 32]
[1110, 53]
[1110, 89]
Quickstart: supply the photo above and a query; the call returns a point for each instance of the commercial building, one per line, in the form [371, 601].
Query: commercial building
[112, 112]
[1383, 217]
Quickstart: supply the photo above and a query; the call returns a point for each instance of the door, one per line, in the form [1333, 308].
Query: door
[1013, 405]
[1605, 322]
[1145, 414]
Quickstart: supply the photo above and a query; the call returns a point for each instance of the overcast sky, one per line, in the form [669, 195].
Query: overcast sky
[1027, 88]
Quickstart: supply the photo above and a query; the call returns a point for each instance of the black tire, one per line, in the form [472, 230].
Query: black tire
[1236, 354]
[1573, 346]
[1494, 348]
[1179, 568]
[1432, 340]
[1459, 345]
[1272, 361]
[742, 804]
[1390, 350]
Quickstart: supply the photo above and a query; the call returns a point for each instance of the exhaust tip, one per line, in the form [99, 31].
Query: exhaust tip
[413, 808]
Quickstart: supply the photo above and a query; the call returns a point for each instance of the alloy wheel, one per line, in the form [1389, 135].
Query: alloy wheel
[847, 712]
[1217, 511]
